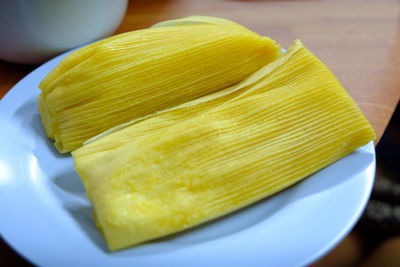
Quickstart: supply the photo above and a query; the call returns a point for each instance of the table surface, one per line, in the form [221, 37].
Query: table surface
[359, 40]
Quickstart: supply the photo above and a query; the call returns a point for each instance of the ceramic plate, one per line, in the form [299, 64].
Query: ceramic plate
[46, 217]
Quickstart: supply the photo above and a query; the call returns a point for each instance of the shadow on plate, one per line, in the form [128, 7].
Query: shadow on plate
[68, 188]
[37, 127]
[326, 179]
[233, 223]
[71, 193]
[83, 217]
[70, 183]
[29, 116]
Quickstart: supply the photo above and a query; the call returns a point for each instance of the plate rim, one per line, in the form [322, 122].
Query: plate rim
[45, 67]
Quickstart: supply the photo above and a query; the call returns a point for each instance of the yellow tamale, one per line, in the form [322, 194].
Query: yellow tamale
[135, 74]
[194, 20]
[214, 155]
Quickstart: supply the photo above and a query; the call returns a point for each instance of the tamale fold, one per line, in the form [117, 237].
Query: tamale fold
[216, 154]
[135, 74]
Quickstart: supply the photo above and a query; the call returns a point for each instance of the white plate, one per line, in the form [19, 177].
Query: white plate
[46, 217]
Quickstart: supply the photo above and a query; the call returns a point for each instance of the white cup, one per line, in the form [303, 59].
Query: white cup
[33, 31]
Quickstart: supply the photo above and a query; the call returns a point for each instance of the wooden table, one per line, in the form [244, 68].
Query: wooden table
[358, 40]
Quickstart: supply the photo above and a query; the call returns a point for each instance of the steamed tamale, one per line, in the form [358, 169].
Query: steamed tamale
[135, 74]
[194, 20]
[216, 154]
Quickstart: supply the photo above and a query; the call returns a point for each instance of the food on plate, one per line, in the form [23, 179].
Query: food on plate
[133, 75]
[215, 154]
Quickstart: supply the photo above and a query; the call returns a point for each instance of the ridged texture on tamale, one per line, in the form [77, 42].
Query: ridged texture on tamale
[136, 74]
[202, 160]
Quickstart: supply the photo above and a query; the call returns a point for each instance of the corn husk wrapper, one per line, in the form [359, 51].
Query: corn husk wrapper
[216, 154]
[132, 75]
